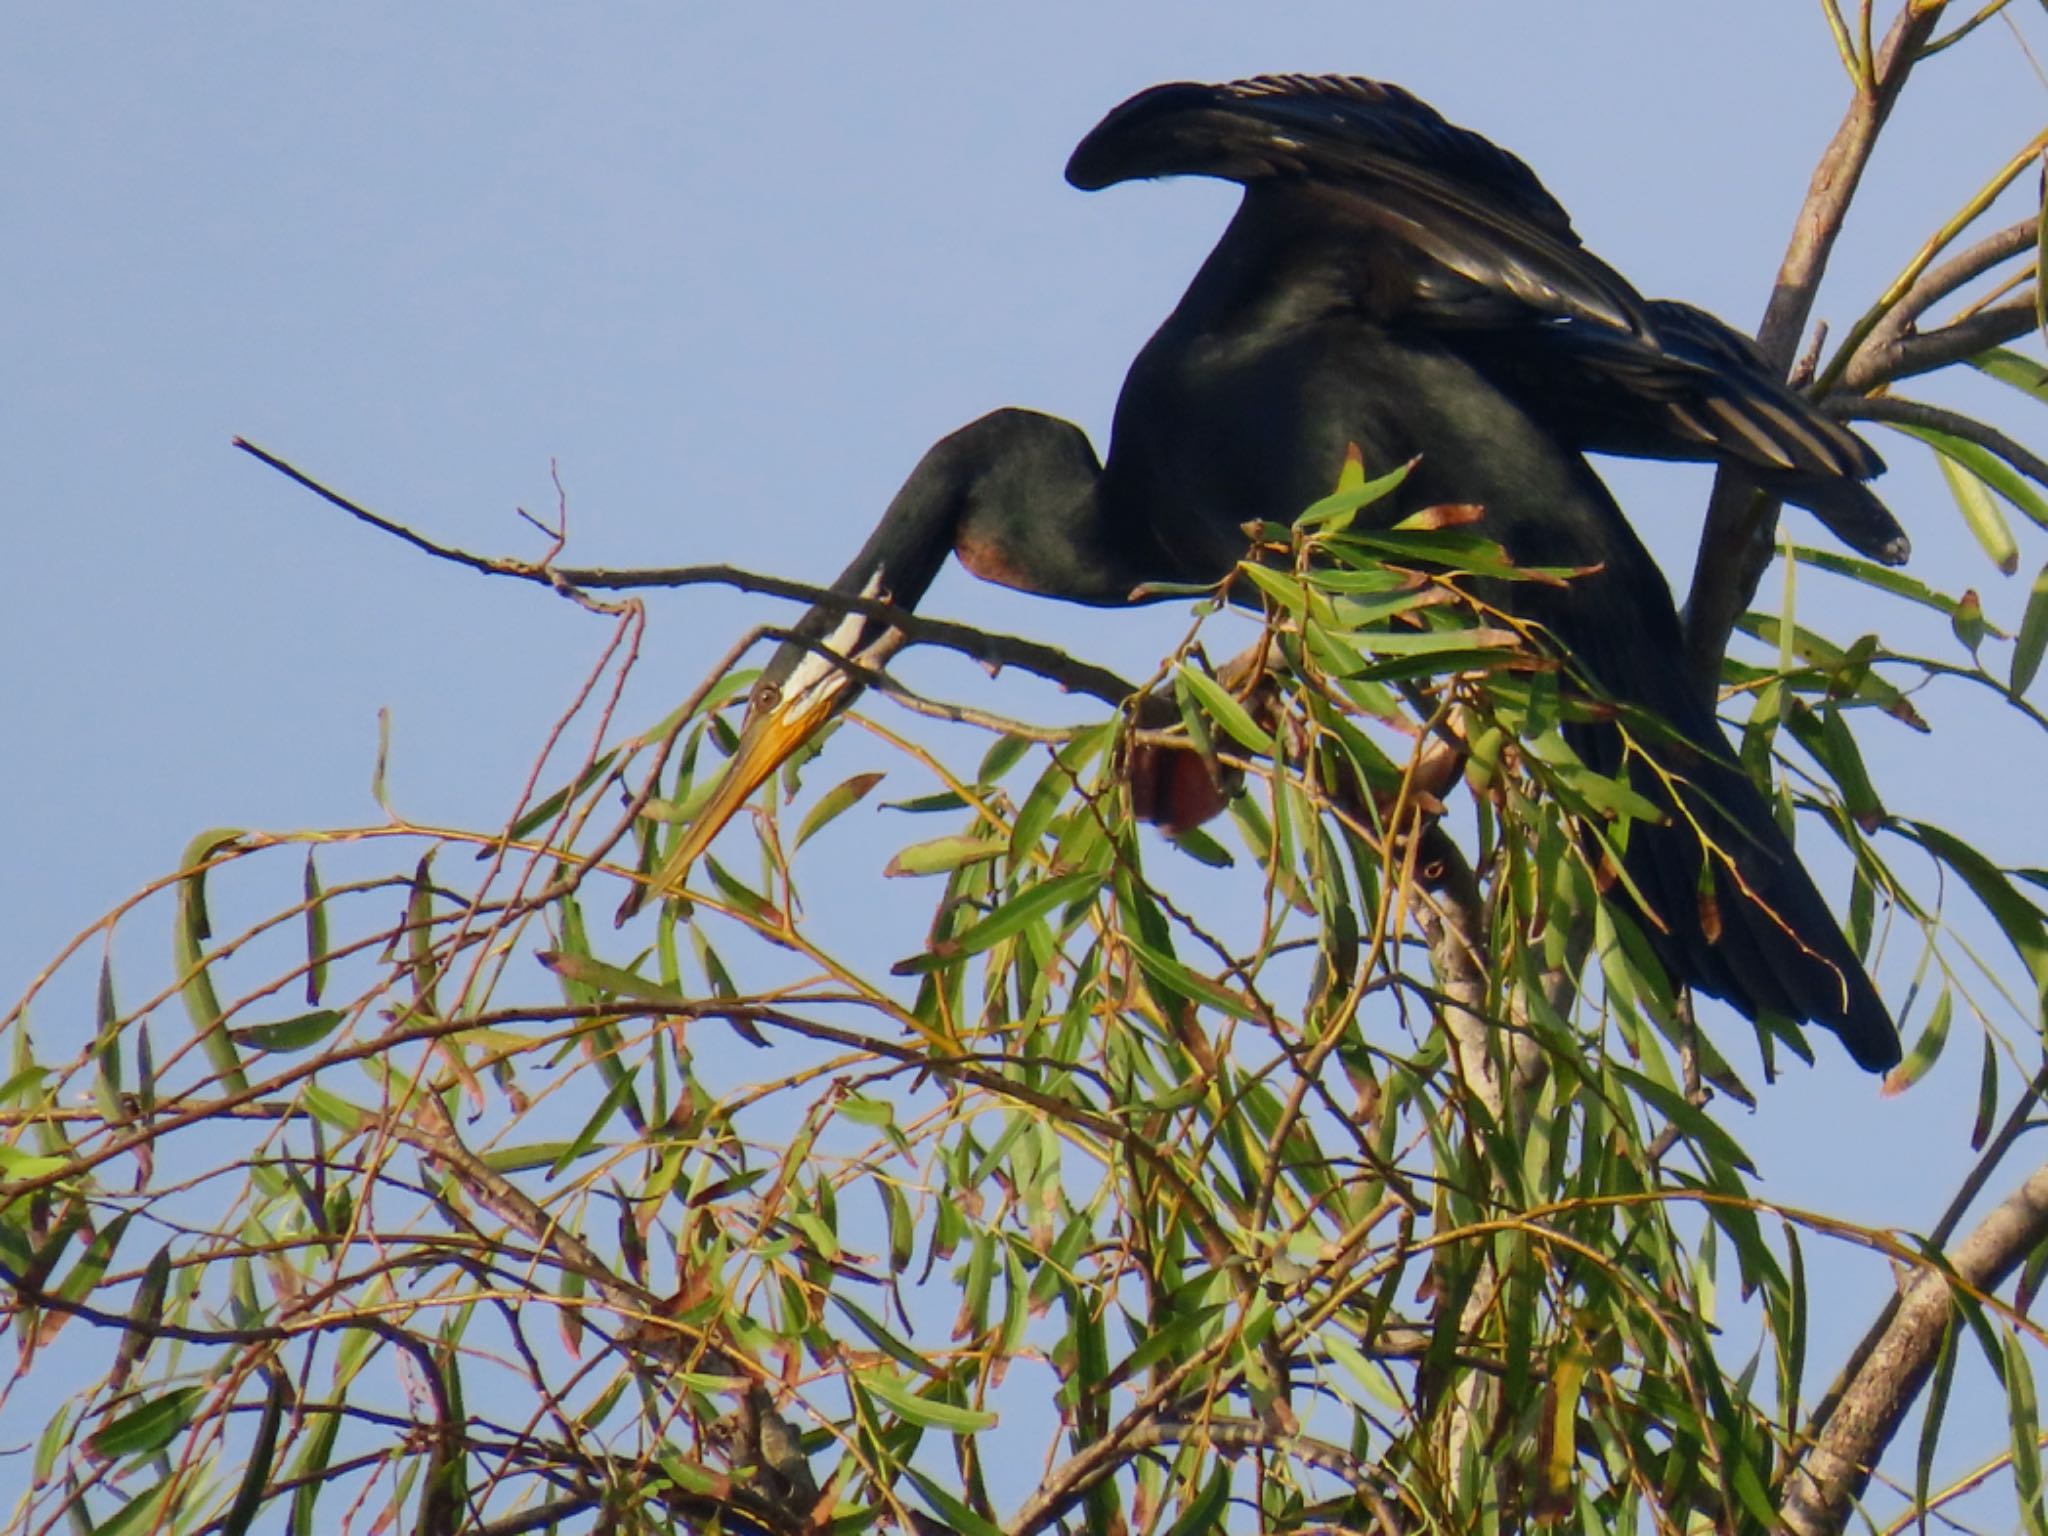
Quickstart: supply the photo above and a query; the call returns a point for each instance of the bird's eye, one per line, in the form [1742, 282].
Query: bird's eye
[765, 696]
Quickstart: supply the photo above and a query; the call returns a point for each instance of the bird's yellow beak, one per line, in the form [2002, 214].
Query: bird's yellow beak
[768, 740]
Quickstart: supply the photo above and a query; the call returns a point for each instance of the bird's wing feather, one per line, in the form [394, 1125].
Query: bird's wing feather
[1444, 230]
[1477, 216]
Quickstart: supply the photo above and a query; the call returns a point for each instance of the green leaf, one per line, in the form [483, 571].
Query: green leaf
[941, 855]
[1204, 1513]
[262, 1453]
[17, 1164]
[1973, 499]
[1175, 977]
[921, 1410]
[91, 1268]
[308, 1472]
[316, 933]
[106, 1084]
[1226, 711]
[547, 810]
[1024, 909]
[1353, 492]
[331, 1109]
[2016, 369]
[2001, 476]
[145, 1310]
[840, 798]
[293, 1034]
[621, 1090]
[1927, 1048]
[188, 955]
[148, 1429]
[1883, 577]
[2033, 638]
[589, 972]
[2025, 1414]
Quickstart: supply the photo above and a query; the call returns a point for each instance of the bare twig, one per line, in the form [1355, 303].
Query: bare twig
[990, 649]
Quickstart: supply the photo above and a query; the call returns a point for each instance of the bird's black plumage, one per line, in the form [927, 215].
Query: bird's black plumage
[1399, 284]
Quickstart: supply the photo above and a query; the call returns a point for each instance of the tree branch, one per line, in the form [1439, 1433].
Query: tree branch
[1735, 545]
[1915, 413]
[993, 650]
[1893, 1369]
[1884, 359]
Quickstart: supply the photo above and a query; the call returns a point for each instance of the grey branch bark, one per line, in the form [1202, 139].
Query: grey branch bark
[1870, 1408]
[1886, 357]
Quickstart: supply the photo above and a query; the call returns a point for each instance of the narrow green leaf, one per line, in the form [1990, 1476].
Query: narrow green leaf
[188, 954]
[1006, 754]
[2025, 1414]
[949, 1508]
[106, 1084]
[17, 1164]
[741, 896]
[1023, 909]
[941, 855]
[1353, 492]
[316, 933]
[310, 1469]
[2016, 369]
[332, 1109]
[1284, 589]
[1987, 1096]
[1936, 1415]
[148, 1429]
[621, 1090]
[1202, 848]
[145, 1310]
[545, 811]
[91, 1268]
[1883, 577]
[839, 798]
[923, 1411]
[294, 1034]
[1980, 513]
[241, 1515]
[1204, 1513]
[1972, 471]
[1927, 1048]
[2033, 638]
[610, 979]
[1175, 977]
[902, 1227]
[419, 937]
[1216, 701]
[2041, 249]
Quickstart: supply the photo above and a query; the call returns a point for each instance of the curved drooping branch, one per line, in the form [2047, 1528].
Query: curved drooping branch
[1917, 413]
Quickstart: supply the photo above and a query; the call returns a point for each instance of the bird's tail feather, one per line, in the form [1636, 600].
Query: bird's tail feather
[1769, 943]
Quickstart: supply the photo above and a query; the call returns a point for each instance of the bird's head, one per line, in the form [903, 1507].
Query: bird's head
[811, 678]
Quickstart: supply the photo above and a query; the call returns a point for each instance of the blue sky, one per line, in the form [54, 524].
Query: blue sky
[731, 269]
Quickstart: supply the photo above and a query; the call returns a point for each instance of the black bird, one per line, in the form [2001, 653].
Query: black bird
[1401, 284]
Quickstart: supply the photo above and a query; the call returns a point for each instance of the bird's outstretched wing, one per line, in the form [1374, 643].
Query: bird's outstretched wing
[1490, 241]
[1452, 233]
